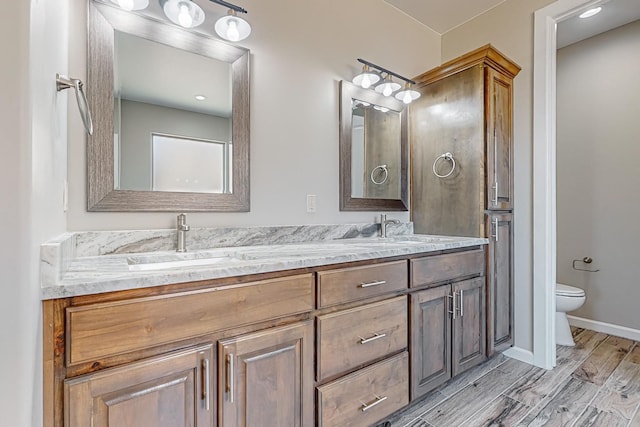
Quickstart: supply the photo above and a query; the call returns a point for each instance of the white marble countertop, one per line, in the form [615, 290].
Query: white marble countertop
[105, 273]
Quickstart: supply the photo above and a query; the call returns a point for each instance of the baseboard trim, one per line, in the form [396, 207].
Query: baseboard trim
[607, 328]
[519, 354]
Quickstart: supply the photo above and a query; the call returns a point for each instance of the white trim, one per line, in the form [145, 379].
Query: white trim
[544, 175]
[607, 328]
[519, 354]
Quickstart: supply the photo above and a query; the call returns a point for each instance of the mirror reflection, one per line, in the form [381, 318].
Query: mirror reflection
[172, 117]
[375, 151]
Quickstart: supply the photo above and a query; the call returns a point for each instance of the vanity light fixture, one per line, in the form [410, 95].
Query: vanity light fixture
[366, 78]
[589, 13]
[231, 27]
[185, 13]
[386, 86]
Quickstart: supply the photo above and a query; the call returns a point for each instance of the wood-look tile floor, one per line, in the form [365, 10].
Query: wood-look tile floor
[595, 383]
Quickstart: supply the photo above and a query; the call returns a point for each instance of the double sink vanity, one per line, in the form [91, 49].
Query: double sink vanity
[307, 325]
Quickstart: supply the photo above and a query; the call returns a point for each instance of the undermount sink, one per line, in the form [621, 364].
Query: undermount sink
[162, 262]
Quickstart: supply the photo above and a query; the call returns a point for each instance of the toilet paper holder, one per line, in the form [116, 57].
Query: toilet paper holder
[586, 260]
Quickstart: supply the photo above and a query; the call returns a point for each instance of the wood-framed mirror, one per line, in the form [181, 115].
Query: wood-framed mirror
[154, 150]
[373, 151]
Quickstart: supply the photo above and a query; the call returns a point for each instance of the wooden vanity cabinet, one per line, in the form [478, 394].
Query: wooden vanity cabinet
[266, 378]
[447, 323]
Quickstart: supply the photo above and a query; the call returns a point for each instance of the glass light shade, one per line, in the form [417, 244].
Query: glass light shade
[366, 78]
[185, 13]
[132, 4]
[388, 86]
[233, 28]
[407, 95]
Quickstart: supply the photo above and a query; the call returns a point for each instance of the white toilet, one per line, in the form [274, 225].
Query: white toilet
[568, 298]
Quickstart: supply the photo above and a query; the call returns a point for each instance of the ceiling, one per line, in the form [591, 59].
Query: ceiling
[444, 15]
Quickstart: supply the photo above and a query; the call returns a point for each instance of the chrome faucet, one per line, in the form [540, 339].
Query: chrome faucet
[182, 233]
[383, 225]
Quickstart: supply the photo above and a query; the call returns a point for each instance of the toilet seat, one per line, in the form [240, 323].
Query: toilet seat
[568, 291]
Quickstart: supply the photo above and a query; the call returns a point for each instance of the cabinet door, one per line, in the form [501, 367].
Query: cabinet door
[170, 391]
[266, 378]
[499, 140]
[500, 282]
[430, 339]
[469, 324]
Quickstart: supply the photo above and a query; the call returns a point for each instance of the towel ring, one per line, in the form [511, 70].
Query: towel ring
[385, 173]
[64, 82]
[446, 156]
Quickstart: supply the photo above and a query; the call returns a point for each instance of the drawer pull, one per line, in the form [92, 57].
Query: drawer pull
[370, 284]
[376, 336]
[367, 406]
[230, 379]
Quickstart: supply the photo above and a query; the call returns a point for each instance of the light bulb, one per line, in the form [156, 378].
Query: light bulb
[126, 4]
[184, 17]
[387, 90]
[366, 82]
[232, 30]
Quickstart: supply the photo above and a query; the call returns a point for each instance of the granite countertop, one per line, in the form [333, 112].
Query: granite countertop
[75, 274]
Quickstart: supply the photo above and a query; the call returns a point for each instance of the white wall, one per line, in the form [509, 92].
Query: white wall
[299, 53]
[509, 28]
[32, 174]
[598, 171]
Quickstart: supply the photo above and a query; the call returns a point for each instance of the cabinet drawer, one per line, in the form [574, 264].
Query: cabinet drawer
[450, 266]
[106, 329]
[367, 395]
[350, 338]
[354, 283]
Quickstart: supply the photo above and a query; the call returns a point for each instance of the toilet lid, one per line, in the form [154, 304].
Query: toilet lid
[568, 291]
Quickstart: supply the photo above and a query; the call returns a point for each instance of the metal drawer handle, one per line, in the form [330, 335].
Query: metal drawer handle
[376, 283]
[207, 383]
[453, 296]
[230, 379]
[376, 336]
[366, 407]
[461, 302]
[495, 226]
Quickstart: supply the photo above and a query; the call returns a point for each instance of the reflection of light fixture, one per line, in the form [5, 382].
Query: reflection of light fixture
[132, 4]
[407, 95]
[366, 78]
[387, 86]
[380, 108]
[232, 27]
[589, 13]
[200, 97]
[185, 13]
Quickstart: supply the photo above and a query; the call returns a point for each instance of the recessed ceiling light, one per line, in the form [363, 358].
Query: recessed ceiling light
[200, 97]
[589, 13]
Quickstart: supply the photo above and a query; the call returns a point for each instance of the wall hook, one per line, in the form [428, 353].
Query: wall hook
[64, 82]
[586, 260]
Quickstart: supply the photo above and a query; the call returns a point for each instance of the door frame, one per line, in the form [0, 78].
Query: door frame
[544, 175]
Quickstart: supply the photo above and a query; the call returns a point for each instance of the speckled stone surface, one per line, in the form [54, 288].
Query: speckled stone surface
[94, 262]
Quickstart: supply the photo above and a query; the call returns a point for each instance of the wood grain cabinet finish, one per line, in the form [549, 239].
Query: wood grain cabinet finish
[266, 378]
[355, 283]
[351, 338]
[365, 396]
[175, 390]
[469, 325]
[500, 287]
[435, 269]
[99, 330]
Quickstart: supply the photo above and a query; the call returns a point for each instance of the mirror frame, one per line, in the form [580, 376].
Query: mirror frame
[104, 20]
[349, 91]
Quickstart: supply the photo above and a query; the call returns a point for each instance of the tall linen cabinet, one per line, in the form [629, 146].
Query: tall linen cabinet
[461, 132]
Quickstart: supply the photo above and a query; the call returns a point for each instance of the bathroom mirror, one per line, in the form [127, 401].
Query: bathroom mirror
[373, 151]
[155, 146]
